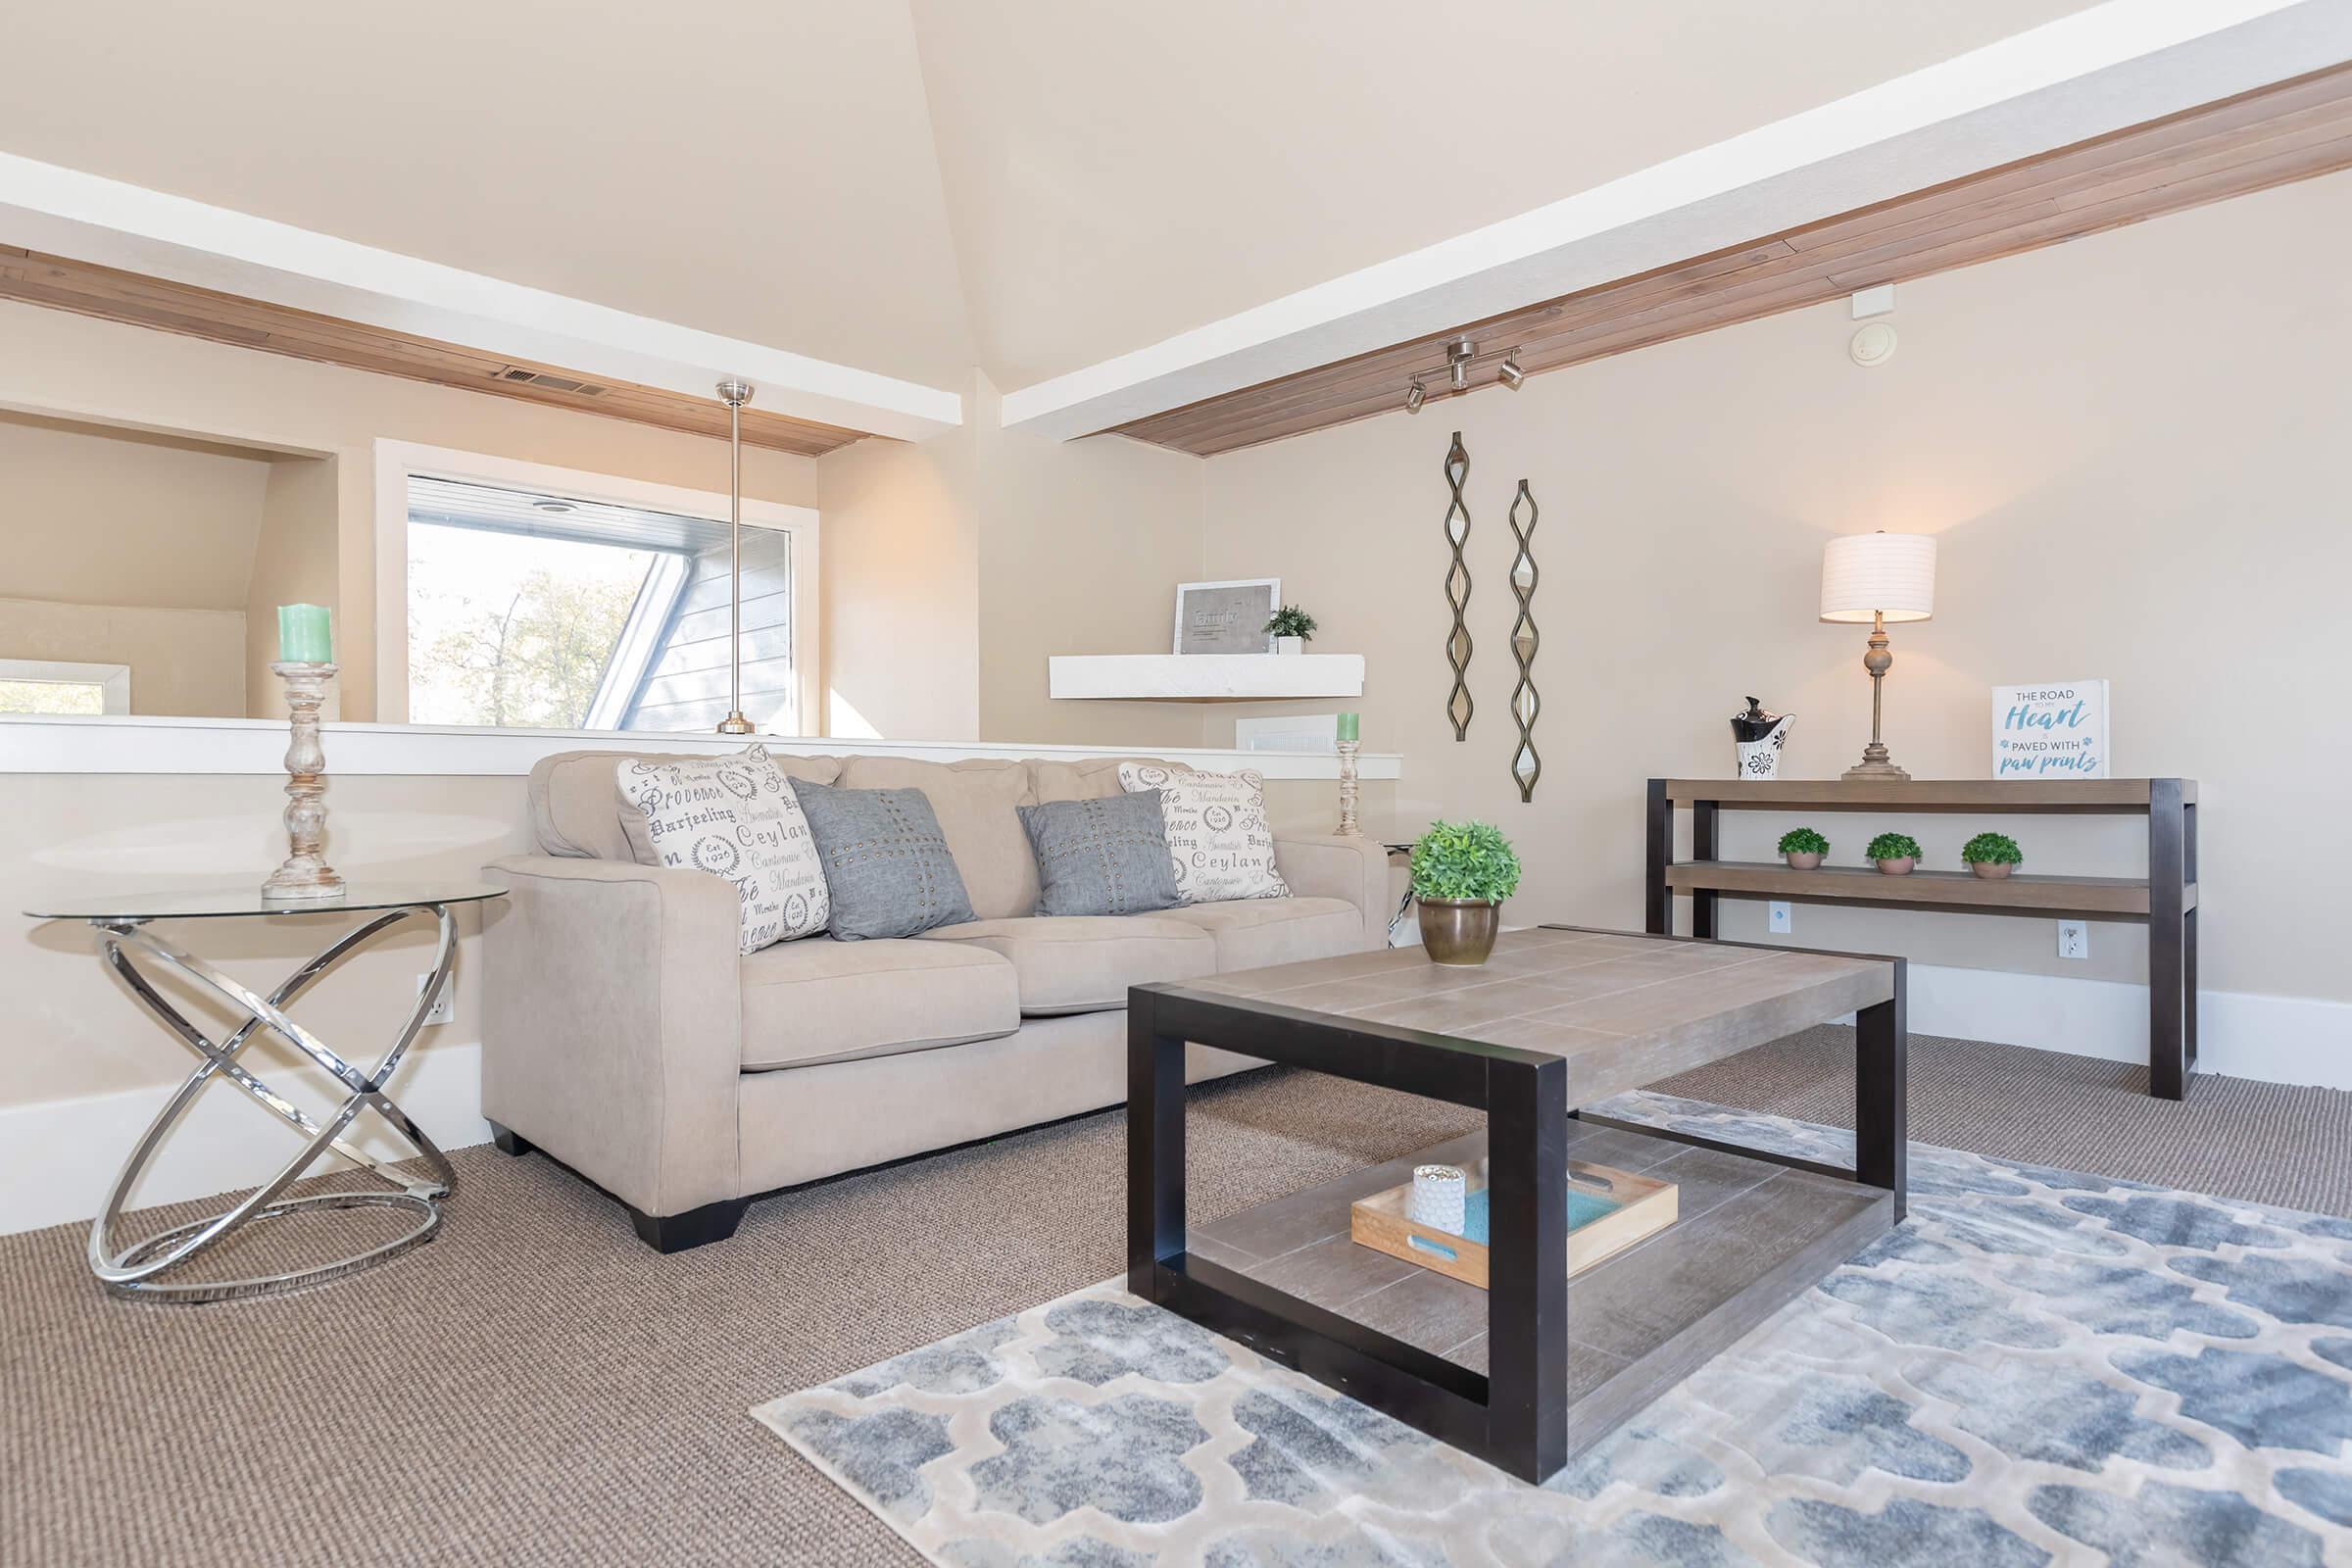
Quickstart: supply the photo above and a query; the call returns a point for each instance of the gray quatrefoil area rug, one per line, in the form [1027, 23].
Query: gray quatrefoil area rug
[2039, 1367]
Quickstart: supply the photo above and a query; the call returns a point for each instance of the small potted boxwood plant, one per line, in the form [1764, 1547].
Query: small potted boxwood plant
[1895, 853]
[1462, 872]
[1803, 848]
[1290, 627]
[1991, 856]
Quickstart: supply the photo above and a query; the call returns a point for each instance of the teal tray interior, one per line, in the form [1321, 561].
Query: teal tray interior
[1583, 1210]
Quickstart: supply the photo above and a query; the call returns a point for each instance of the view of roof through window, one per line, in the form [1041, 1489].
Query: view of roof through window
[551, 612]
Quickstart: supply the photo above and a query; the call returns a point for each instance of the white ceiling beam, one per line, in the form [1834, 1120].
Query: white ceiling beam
[85, 217]
[2102, 69]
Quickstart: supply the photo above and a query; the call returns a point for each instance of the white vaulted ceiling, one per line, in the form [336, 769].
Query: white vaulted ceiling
[916, 187]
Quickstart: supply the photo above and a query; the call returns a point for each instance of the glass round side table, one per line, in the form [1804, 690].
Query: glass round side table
[122, 925]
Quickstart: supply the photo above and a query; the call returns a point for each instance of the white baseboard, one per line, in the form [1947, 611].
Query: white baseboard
[2287, 1040]
[58, 1158]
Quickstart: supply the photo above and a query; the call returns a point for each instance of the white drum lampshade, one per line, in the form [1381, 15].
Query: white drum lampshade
[1865, 576]
[1870, 579]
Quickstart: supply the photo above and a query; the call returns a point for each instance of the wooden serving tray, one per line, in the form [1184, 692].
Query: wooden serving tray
[1630, 1208]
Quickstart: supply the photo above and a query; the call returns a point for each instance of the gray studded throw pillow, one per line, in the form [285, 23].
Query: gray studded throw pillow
[737, 817]
[1101, 856]
[887, 864]
[1219, 844]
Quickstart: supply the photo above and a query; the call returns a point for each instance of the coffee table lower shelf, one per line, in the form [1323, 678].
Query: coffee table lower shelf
[1752, 1237]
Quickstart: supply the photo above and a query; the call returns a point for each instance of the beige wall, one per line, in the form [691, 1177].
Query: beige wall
[189, 661]
[294, 562]
[955, 567]
[75, 366]
[902, 584]
[2130, 448]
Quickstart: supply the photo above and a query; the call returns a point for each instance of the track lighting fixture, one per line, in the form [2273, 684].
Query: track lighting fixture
[1414, 396]
[1510, 375]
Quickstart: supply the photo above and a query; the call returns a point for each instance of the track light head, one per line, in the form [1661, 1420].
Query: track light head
[1458, 355]
[1414, 396]
[1510, 375]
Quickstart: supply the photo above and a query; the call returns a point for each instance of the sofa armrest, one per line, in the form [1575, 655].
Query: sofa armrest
[1328, 867]
[611, 1024]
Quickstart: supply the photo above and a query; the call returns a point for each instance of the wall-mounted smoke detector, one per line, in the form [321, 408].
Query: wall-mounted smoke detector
[1873, 345]
[528, 377]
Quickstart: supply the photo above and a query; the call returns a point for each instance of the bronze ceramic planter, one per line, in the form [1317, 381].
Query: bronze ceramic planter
[1459, 931]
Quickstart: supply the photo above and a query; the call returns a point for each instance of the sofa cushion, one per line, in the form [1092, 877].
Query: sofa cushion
[577, 811]
[1085, 963]
[735, 817]
[1256, 933]
[1101, 856]
[886, 868]
[805, 1003]
[975, 803]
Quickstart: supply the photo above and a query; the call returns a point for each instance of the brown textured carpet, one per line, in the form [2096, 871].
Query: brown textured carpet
[537, 1388]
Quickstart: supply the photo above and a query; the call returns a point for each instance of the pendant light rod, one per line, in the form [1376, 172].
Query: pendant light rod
[735, 394]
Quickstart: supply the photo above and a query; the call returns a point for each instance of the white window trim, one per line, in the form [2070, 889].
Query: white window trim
[397, 460]
[112, 680]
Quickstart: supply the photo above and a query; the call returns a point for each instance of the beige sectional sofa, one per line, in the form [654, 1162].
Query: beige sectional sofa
[623, 1036]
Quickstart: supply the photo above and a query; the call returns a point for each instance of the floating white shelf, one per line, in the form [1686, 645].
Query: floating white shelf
[1204, 678]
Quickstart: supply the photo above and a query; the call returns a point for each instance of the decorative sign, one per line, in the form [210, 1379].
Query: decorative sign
[1226, 618]
[2057, 729]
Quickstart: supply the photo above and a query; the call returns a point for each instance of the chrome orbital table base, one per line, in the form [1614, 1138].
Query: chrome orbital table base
[138, 1269]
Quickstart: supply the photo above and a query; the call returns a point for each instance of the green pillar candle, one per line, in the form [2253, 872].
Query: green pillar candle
[1347, 726]
[302, 635]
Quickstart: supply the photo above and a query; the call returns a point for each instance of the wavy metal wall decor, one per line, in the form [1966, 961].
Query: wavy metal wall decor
[1458, 706]
[1526, 765]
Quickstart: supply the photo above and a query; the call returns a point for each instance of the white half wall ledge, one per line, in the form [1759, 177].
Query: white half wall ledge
[107, 223]
[2099, 70]
[162, 746]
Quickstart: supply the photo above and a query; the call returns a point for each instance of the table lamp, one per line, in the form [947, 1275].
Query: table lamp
[1877, 577]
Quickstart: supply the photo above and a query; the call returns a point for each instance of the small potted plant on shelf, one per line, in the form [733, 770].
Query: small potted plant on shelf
[1290, 627]
[1991, 856]
[1462, 872]
[1803, 849]
[1895, 853]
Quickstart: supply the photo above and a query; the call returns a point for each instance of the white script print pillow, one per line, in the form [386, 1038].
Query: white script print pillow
[1217, 834]
[736, 817]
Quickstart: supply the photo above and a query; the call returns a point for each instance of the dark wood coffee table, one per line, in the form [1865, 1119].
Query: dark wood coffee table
[1538, 1366]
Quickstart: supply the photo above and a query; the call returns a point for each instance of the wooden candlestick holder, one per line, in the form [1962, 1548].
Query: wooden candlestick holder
[305, 874]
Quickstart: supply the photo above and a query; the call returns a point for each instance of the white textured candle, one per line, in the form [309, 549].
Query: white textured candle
[1439, 1195]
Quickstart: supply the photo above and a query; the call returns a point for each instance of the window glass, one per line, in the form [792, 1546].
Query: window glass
[545, 611]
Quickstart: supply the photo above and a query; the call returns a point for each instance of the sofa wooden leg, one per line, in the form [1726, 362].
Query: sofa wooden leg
[507, 1142]
[696, 1227]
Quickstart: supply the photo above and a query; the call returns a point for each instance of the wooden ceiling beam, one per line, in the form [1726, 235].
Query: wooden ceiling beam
[86, 289]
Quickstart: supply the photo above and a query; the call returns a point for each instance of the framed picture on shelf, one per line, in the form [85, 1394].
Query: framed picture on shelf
[2057, 729]
[1226, 618]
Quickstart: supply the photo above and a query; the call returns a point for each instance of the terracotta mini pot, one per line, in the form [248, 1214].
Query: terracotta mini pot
[1991, 870]
[1804, 860]
[1897, 867]
[1459, 931]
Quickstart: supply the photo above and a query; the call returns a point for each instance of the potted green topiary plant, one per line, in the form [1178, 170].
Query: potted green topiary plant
[1895, 853]
[1803, 848]
[1462, 872]
[1991, 856]
[1290, 627]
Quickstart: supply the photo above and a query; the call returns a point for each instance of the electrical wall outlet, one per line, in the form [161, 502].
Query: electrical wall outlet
[2073, 940]
[1776, 919]
[445, 1006]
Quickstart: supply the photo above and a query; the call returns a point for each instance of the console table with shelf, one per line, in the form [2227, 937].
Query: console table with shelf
[2166, 899]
